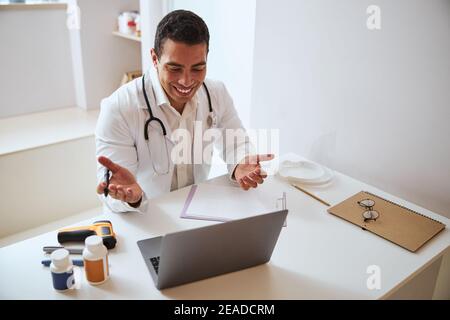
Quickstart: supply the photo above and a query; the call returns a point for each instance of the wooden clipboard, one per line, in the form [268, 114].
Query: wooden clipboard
[402, 226]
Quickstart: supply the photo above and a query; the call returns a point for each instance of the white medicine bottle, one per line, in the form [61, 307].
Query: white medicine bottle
[61, 269]
[95, 258]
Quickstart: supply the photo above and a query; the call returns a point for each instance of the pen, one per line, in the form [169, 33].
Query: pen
[50, 249]
[105, 192]
[311, 195]
[75, 262]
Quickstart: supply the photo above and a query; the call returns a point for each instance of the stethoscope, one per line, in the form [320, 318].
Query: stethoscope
[211, 121]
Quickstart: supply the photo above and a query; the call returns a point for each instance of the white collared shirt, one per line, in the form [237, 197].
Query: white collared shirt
[183, 173]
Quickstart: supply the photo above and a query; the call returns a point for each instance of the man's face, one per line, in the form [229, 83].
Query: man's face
[181, 70]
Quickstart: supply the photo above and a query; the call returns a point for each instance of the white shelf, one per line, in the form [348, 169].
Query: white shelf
[39, 129]
[32, 5]
[127, 36]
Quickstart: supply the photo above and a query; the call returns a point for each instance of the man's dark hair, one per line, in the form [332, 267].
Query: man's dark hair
[181, 26]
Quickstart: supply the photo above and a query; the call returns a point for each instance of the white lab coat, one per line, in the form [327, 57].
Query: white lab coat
[120, 136]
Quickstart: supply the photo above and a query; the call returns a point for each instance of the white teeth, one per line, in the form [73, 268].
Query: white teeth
[183, 91]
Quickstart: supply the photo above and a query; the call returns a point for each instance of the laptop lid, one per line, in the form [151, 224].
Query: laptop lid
[205, 252]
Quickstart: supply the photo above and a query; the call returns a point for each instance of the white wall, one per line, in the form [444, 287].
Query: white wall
[231, 26]
[104, 57]
[45, 66]
[152, 12]
[52, 183]
[371, 104]
[35, 61]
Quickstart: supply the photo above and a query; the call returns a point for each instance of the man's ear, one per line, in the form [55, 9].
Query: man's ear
[154, 57]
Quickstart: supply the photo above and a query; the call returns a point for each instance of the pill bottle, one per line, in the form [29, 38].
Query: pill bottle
[95, 258]
[61, 269]
[138, 25]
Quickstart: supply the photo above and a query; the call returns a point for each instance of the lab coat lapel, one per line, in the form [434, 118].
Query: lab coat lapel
[157, 112]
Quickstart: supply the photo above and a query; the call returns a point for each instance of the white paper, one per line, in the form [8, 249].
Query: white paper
[222, 203]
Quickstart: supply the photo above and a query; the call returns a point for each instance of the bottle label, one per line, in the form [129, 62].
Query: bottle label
[96, 271]
[63, 281]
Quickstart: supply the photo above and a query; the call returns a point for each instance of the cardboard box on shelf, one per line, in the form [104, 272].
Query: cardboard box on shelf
[128, 76]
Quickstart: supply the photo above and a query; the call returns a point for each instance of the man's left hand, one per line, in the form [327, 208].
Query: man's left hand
[248, 172]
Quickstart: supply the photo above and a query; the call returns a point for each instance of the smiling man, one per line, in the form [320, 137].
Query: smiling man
[137, 129]
[179, 84]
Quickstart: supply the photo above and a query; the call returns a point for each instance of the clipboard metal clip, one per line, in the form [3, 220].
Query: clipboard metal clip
[281, 202]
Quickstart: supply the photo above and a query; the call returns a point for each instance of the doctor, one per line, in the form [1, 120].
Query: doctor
[137, 130]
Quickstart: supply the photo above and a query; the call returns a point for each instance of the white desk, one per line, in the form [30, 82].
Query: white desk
[318, 256]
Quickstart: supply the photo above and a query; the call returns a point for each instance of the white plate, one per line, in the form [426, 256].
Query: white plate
[301, 170]
[327, 177]
[304, 172]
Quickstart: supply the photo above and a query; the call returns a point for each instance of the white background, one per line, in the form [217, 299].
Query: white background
[372, 104]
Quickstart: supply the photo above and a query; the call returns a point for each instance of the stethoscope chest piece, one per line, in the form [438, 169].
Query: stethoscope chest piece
[212, 120]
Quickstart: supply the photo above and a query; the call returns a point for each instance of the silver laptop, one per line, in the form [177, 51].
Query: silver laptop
[195, 254]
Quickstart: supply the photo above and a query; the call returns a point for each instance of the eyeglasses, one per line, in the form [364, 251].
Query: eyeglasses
[369, 214]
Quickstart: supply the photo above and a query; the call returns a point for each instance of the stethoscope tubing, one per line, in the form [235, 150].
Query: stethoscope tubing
[153, 118]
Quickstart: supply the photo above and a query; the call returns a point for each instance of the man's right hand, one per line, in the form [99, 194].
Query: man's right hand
[122, 185]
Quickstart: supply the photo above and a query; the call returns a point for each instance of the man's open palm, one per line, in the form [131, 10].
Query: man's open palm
[249, 173]
[122, 185]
